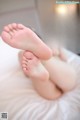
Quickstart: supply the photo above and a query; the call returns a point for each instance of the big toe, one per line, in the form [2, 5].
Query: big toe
[28, 55]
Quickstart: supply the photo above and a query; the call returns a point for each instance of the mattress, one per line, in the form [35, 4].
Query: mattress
[20, 100]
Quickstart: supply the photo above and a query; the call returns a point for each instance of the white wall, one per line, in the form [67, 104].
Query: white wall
[65, 29]
[10, 5]
[19, 11]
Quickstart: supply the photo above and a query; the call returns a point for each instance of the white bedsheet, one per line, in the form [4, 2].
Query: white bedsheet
[20, 100]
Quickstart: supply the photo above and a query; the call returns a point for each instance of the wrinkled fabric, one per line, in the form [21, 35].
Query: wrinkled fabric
[21, 101]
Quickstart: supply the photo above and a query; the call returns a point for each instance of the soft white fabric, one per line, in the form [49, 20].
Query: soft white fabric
[21, 101]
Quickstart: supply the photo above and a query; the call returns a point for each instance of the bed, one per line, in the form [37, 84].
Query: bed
[19, 99]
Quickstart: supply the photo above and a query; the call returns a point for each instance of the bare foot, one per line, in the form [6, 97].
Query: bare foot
[21, 37]
[39, 76]
[32, 67]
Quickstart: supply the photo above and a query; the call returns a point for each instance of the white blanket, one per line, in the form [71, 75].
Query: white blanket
[21, 101]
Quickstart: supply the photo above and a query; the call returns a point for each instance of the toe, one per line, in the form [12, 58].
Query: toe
[26, 71]
[20, 26]
[11, 33]
[10, 27]
[28, 55]
[5, 36]
[25, 62]
[24, 65]
[24, 58]
[14, 25]
[6, 29]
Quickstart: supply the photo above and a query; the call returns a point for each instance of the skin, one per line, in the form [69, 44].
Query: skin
[51, 75]
[21, 37]
[33, 68]
[50, 78]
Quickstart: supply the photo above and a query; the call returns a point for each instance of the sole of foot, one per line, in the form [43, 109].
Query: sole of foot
[32, 66]
[21, 37]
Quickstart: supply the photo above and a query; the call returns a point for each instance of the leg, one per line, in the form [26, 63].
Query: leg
[21, 37]
[61, 73]
[46, 88]
[39, 76]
